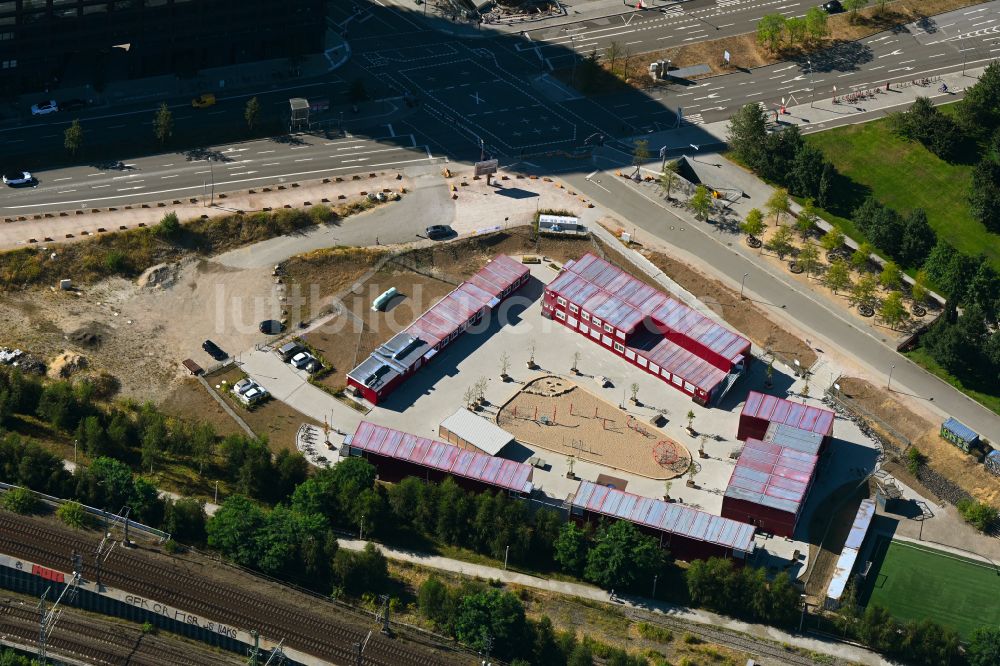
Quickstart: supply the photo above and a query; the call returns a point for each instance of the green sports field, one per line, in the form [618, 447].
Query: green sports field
[914, 582]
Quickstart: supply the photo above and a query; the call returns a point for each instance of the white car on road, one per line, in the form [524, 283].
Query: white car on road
[44, 108]
[14, 178]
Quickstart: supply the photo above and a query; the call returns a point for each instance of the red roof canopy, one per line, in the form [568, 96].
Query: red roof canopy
[776, 410]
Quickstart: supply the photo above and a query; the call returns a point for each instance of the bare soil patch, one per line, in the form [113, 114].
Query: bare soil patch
[742, 315]
[188, 397]
[560, 416]
[949, 461]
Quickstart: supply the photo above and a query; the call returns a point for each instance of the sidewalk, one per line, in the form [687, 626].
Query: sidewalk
[589, 592]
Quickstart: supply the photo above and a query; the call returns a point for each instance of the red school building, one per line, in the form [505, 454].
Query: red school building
[651, 330]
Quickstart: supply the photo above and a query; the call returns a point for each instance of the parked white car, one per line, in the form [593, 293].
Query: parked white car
[44, 108]
[254, 394]
[301, 359]
[243, 386]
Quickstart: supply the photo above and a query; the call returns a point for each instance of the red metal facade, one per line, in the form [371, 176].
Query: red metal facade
[761, 410]
[646, 327]
[399, 454]
[766, 518]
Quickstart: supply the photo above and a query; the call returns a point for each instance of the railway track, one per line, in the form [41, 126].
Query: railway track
[304, 623]
[753, 647]
[102, 643]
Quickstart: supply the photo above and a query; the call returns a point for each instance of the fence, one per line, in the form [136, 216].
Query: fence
[56, 502]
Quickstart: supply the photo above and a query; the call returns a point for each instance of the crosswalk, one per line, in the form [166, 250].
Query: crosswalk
[693, 119]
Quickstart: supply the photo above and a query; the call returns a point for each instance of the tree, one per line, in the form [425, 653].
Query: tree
[838, 275]
[185, 521]
[984, 291]
[918, 239]
[753, 225]
[797, 28]
[891, 276]
[640, 153]
[805, 223]
[832, 240]
[20, 500]
[816, 23]
[978, 514]
[433, 601]
[778, 204]
[780, 242]
[252, 112]
[861, 256]
[892, 311]
[770, 30]
[73, 137]
[570, 548]
[612, 53]
[169, 226]
[854, 6]
[233, 529]
[747, 131]
[984, 647]
[808, 258]
[163, 123]
[826, 181]
[979, 111]
[984, 194]
[806, 171]
[74, 515]
[153, 440]
[202, 445]
[362, 572]
[622, 557]
[492, 616]
[864, 290]
[701, 202]
[668, 178]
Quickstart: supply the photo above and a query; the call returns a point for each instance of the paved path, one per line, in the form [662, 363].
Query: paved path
[583, 591]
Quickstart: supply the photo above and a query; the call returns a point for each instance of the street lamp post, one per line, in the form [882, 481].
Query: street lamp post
[805, 606]
[361, 531]
[506, 552]
[888, 386]
[812, 84]
[743, 284]
[655, 576]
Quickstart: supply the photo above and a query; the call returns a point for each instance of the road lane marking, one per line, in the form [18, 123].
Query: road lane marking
[271, 164]
[97, 187]
[172, 176]
[65, 191]
[56, 180]
[304, 159]
[262, 152]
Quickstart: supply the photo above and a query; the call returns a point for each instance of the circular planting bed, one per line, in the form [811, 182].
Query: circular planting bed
[795, 267]
[918, 310]
[754, 242]
[866, 310]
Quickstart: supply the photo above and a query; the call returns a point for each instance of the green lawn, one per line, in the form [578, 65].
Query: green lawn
[914, 582]
[927, 362]
[904, 176]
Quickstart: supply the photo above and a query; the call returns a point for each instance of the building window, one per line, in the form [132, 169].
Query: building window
[677, 380]
[689, 387]
[620, 348]
[595, 333]
[606, 340]
[584, 329]
[609, 328]
[620, 334]
[560, 300]
[560, 314]
[641, 361]
[585, 316]
[597, 322]
[573, 308]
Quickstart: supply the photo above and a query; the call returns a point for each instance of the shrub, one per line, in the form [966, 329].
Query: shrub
[74, 515]
[655, 633]
[169, 226]
[115, 262]
[20, 500]
[978, 514]
[914, 459]
[321, 214]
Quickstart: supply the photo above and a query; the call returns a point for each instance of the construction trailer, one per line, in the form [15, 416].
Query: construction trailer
[472, 432]
[397, 455]
[654, 332]
[405, 353]
[689, 533]
[848, 560]
[959, 434]
[762, 410]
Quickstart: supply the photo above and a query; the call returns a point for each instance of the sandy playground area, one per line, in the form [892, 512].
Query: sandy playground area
[555, 414]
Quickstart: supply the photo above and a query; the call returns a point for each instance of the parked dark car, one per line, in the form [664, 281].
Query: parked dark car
[436, 231]
[271, 327]
[833, 7]
[214, 351]
[72, 104]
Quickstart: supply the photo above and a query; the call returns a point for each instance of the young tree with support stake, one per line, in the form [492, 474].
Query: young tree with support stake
[778, 203]
[668, 178]
[701, 202]
[73, 137]
[252, 112]
[753, 225]
[163, 123]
